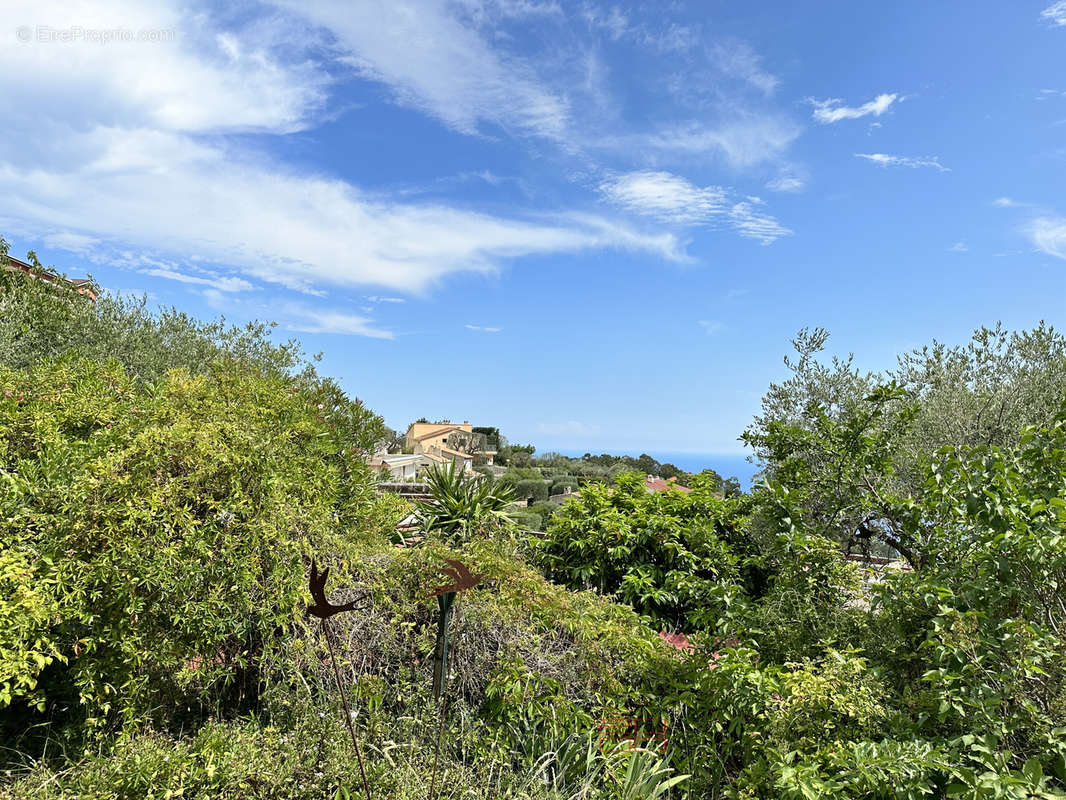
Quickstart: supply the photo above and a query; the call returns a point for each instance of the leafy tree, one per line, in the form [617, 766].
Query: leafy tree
[516, 455]
[668, 470]
[983, 624]
[676, 557]
[853, 447]
[493, 438]
[647, 464]
[38, 323]
[531, 487]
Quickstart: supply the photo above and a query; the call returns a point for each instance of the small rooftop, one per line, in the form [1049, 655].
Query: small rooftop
[82, 286]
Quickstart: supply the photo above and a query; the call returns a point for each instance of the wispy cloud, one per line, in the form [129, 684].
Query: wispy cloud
[299, 317]
[787, 182]
[1005, 202]
[431, 61]
[743, 141]
[1048, 235]
[376, 299]
[296, 317]
[205, 80]
[959, 247]
[753, 224]
[664, 196]
[833, 110]
[220, 282]
[1055, 13]
[482, 328]
[738, 60]
[904, 161]
[710, 327]
[301, 231]
[673, 199]
[71, 242]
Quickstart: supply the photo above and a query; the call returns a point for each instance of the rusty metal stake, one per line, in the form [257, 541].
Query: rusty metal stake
[323, 609]
[444, 703]
[436, 754]
[462, 580]
[347, 711]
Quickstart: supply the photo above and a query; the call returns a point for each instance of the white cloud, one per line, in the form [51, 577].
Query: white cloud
[1048, 235]
[614, 22]
[739, 60]
[832, 110]
[787, 182]
[129, 147]
[433, 62]
[747, 140]
[71, 242]
[297, 230]
[666, 197]
[710, 327]
[298, 317]
[374, 299]
[1004, 202]
[750, 223]
[220, 282]
[959, 247]
[903, 161]
[673, 199]
[203, 80]
[1055, 13]
[302, 319]
[482, 329]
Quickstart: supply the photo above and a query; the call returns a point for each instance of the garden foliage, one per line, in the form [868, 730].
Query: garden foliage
[164, 484]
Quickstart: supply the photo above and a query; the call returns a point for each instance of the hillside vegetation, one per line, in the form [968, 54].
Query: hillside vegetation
[165, 484]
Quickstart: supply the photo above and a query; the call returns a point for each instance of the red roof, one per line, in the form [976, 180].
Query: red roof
[79, 285]
[677, 640]
[653, 484]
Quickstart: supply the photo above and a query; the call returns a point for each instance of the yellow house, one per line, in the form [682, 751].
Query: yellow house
[445, 441]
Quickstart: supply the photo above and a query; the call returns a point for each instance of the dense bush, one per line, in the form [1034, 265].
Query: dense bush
[559, 485]
[166, 528]
[158, 512]
[676, 557]
[535, 488]
[39, 321]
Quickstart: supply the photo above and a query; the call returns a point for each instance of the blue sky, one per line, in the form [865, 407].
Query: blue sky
[596, 226]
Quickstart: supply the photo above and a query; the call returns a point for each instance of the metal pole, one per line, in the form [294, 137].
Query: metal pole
[444, 703]
[347, 712]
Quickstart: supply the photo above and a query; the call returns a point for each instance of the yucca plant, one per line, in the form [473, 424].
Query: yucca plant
[647, 777]
[461, 503]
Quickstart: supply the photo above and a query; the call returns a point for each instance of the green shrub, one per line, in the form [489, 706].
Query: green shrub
[668, 554]
[537, 489]
[811, 600]
[38, 323]
[156, 538]
[560, 484]
[529, 520]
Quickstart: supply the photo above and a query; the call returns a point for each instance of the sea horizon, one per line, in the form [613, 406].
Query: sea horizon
[728, 465]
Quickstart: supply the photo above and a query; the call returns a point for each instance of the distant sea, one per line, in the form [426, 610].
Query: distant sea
[727, 465]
